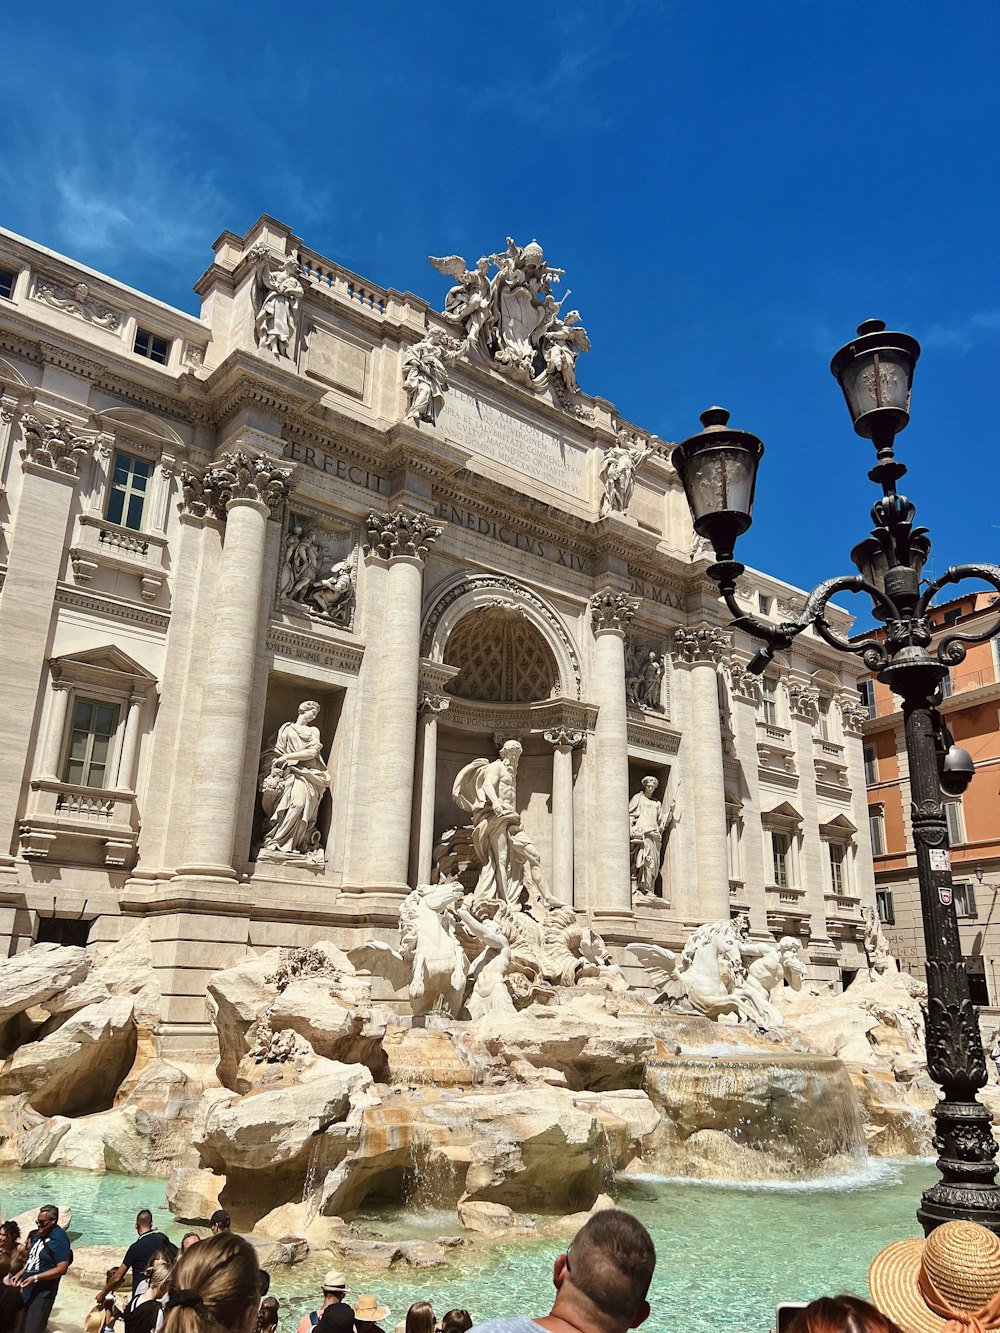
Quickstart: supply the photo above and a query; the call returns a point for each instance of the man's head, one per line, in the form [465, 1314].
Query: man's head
[607, 1270]
[143, 1221]
[220, 1221]
[188, 1239]
[46, 1218]
[511, 751]
[650, 784]
[334, 1286]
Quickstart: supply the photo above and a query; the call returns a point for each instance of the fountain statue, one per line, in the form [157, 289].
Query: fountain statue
[292, 781]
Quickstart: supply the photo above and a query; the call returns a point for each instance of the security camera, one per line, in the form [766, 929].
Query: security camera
[956, 770]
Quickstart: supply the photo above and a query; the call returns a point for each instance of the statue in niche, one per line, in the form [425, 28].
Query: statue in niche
[648, 825]
[425, 375]
[511, 319]
[618, 469]
[277, 294]
[643, 676]
[512, 868]
[301, 578]
[292, 781]
[877, 952]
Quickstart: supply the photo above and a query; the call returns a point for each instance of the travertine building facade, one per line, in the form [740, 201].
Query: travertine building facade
[321, 490]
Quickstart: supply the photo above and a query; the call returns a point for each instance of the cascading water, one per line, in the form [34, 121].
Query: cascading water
[753, 1116]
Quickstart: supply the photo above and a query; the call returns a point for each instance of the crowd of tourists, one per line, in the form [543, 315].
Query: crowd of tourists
[948, 1283]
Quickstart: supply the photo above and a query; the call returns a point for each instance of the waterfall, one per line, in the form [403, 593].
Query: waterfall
[754, 1116]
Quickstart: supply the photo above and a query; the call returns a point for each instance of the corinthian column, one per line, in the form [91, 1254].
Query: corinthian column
[51, 455]
[401, 540]
[563, 744]
[245, 491]
[611, 615]
[701, 650]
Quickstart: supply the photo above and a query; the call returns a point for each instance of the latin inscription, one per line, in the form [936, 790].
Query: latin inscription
[487, 527]
[515, 443]
[336, 467]
[652, 592]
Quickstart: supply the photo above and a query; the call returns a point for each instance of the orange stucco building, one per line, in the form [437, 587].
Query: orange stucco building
[972, 711]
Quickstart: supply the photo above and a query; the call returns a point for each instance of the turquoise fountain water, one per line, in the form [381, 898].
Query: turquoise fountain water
[726, 1253]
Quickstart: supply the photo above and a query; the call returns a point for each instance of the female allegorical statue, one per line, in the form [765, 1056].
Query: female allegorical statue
[293, 784]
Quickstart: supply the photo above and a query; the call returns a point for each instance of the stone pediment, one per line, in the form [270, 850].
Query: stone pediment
[107, 665]
[839, 824]
[785, 813]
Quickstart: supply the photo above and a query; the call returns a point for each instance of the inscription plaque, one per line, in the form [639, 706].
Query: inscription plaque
[466, 420]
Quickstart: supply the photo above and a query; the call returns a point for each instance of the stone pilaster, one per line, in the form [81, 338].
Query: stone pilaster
[563, 744]
[246, 490]
[422, 830]
[401, 539]
[803, 703]
[701, 649]
[51, 455]
[611, 615]
[853, 718]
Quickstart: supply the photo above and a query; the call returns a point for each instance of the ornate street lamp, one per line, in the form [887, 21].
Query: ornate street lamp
[718, 468]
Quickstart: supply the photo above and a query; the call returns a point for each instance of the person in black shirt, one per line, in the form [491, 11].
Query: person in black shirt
[137, 1255]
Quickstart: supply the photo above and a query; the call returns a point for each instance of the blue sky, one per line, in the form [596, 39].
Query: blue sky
[731, 188]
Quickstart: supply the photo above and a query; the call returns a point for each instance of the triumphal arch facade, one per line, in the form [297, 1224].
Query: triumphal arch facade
[284, 582]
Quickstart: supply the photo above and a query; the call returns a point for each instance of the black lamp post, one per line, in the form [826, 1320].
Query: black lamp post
[718, 468]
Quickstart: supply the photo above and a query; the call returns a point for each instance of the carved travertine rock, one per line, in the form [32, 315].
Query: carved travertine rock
[193, 1193]
[78, 1067]
[492, 1219]
[39, 974]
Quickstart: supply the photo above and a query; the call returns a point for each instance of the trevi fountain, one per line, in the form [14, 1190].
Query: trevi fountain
[412, 1111]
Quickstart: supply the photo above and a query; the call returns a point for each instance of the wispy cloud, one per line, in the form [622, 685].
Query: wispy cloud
[965, 333]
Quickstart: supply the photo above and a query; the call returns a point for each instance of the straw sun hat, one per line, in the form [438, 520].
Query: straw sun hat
[952, 1277]
[367, 1309]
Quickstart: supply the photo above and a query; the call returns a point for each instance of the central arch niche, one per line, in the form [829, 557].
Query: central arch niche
[502, 658]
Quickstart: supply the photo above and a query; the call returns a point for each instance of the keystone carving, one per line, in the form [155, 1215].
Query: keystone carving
[52, 444]
[803, 700]
[400, 533]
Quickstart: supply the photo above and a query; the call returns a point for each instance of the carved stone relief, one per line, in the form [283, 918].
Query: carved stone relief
[644, 679]
[77, 299]
[317, 570]
[234, 476]
[803, 700]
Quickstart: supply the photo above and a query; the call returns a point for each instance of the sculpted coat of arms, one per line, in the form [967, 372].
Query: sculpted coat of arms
[510, 317]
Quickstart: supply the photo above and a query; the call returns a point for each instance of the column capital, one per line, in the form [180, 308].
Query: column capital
[564, 739]
[53, 444]
[233, 477]
[433, 704]
[744, 683]
[803, 700]
[854, 715]
[612, 612]
[400, 532]
[701, 643]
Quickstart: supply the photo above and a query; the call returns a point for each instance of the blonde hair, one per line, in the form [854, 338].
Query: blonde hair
[213, 1286]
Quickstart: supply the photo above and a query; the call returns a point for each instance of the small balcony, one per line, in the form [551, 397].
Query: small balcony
[104, 545]
[86, 825]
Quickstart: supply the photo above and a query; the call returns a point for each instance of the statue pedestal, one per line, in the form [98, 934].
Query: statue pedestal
[290, 866]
